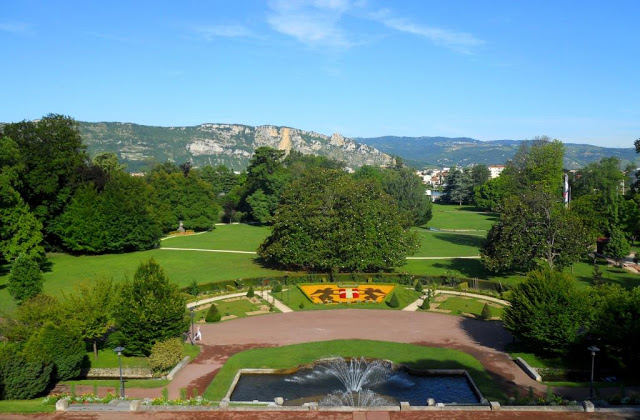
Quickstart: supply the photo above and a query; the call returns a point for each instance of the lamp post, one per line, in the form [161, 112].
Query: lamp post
[119, 350]
[593, 350]
[192, 310]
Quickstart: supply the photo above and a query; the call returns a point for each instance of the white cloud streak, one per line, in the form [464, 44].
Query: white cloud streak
[17, 28]
[311, 22]
[210, 32]
[461, 42]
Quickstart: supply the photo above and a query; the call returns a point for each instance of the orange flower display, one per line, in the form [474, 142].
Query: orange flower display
[335, 293]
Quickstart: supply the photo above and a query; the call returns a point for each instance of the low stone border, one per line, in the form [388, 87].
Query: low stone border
[129, 373]
[182, 363]
[528, 369]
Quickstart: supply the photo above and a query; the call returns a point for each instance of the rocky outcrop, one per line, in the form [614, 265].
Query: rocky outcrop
[212, 144]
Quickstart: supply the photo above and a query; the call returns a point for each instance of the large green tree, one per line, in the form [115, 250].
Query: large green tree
[118, 219]
[91, 305]
[52, 155]
[150, 309]
[537, 165]
[409, 193]
[20, 231]
[267, 177]
[329, 221]
[532, 229]
[548, 313]
[459, 187]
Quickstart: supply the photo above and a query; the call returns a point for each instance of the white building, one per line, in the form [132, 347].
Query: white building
[495, 170]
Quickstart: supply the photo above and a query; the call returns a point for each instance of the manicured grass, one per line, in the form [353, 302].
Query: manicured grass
[447, 216]
[108, 358]
[182, 267]
[417, 357]
[293, 296]
[448, 244]
[541, 362]
[459, 305]
[25, 406]
[240, 237]
[115, 383]
[239, 308]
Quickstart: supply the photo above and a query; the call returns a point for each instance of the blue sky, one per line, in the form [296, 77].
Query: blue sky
[483, 69]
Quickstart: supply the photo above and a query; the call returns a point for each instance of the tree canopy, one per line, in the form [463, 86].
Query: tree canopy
[329, 221]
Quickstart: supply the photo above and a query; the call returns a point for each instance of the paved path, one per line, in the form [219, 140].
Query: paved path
[278, 304]
[208, 250]
[483, 340]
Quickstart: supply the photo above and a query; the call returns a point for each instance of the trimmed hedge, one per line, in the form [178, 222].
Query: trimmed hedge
[360, 278]
[165, 354]
[59, 345]
[213, 314]
[22, 377]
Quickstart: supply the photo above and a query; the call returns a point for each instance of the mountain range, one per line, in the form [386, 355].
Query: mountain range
[446, 151]
[139, 146]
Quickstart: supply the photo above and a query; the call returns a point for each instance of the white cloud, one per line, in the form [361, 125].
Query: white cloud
[312, 22]
[209, 32]
[458, 41]
[18, 28]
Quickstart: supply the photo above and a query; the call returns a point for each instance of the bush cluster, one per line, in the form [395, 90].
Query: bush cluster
[165, 354]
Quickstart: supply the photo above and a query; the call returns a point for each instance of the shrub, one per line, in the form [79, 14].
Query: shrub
[251, 293]
[486, 312]
[426, 305]
[193, 288]
[59, 345]
[150, 309]
[277, 288]
[463, 286]
[25, 278]
[230, 288]
[418, 286]
[213, 314]
[393, 301]
[301, 306]
[22, 377]
[165, 354]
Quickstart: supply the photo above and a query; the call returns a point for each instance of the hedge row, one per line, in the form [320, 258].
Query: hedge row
[348, 278]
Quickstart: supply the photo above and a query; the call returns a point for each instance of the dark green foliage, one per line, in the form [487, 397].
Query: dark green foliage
[188, 198]
[409, 193]
[277, 288]
[486, 312]
[213, 314]
[20, 231]
[618, 246]
[418, 286]
[250, 292]
[393, 301]
[548, 313]
[51, 155]
[22, 377]
[328, 220]
[535, 228]
[25, 278]
[536, 166]
[266, 179]
[617, 323]
[118, 219]
[489, 195]
[30, 316]
[221, 178]
[60, 345]
[193, 288]
[459, 187]
[598, 279]
[603, 177]
[150, 309]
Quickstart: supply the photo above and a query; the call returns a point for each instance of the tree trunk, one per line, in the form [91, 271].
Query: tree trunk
[95, 349]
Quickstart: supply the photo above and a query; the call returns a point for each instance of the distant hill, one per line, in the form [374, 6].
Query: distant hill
[138, 146]
[446, 151]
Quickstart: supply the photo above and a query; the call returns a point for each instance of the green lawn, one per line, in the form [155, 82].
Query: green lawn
[448, 244]
[239, 308]
[108, 358]
[459, 305]
[25, 406]
[417, 357]
[447, 216]
[233, 237]
[293, 296]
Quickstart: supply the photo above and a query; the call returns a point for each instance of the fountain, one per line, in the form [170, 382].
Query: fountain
[354, 382]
